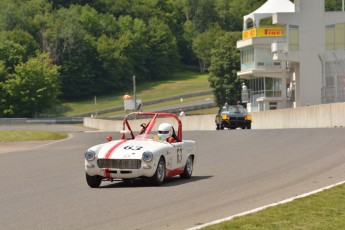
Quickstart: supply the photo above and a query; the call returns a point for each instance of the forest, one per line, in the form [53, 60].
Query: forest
[55, 50]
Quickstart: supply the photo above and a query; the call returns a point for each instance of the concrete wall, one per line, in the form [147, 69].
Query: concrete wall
[316, 116]
[200, 122]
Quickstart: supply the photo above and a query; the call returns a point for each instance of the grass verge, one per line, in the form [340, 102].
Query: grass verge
[30, 135]
[162, 104]
[324, 210]
[177, 84]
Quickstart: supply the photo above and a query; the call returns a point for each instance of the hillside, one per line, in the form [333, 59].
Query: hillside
[190, 86]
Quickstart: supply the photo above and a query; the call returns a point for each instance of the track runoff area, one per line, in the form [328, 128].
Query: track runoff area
[266, 206]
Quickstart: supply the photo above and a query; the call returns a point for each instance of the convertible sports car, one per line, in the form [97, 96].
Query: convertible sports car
[145, 154]
[232, 117]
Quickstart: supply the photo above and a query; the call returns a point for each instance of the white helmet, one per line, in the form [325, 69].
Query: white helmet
[164, 131]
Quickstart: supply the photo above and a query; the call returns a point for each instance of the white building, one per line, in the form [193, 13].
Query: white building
[292, 54]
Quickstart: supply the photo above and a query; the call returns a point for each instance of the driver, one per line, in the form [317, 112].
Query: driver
[166, 132]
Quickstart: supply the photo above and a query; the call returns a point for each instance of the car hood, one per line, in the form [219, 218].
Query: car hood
[234, 114]
[129, 149]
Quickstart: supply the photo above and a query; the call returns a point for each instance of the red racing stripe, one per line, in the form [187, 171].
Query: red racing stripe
[110, 151]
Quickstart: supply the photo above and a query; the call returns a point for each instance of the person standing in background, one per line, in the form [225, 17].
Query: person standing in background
[182, 114]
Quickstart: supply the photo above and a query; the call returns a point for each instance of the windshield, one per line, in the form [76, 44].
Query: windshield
[234, 109]
[144, 137]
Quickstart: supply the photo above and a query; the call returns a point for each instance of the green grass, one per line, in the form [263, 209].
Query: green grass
[173, 102]
[30, 135]
[324, 210]
[177, 84]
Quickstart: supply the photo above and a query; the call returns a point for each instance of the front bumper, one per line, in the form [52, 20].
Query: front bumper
[121, 169]
[236, 123]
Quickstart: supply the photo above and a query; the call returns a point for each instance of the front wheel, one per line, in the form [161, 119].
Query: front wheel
[188, 169]
[93, 181]
[158, 177]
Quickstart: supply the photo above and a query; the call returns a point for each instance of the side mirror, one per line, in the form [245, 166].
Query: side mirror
[109, 138]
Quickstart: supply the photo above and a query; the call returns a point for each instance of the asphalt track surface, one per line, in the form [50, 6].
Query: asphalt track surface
[44, 187]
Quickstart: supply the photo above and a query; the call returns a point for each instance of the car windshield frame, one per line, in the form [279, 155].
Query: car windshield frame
[233, 109]
[146, 135]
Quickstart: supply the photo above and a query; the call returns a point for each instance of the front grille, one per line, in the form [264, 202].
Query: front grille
[119, 164]
[237, 118]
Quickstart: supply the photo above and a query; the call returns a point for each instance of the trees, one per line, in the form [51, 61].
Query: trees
[203, 43]
[333, 5]
[32, 89]
[100, 44]
[225, 62]
[16, 46]
[163, 56]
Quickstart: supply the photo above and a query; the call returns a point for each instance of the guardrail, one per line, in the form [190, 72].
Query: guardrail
[121, 108]
[60, 120]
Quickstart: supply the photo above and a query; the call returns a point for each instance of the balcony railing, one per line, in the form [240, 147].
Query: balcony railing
[261, 65]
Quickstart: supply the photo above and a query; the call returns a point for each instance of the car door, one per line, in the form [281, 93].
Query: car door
[178, 157]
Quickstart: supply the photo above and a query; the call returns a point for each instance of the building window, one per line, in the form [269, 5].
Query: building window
[335, 36]
[293, 38]
[273, 87]
[330, 37]
[264, 59]
[264, 87]
[340, 36]
[247, 56]
[247, 59]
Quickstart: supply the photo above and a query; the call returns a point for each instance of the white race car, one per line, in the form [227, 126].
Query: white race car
[154, 152]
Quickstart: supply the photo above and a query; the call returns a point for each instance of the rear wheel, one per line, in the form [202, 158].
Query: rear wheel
[93, 181]
[158, 177]
[188, 169]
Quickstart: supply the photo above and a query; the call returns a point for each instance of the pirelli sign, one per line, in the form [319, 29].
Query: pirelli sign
[262, 32]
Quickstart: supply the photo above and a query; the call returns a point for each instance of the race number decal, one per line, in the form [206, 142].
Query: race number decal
[132, 147]
[179, 155]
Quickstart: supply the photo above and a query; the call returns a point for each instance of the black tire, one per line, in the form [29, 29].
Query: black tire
[188, 168]
[127, 181]
[217, 127]
[158, 177]
[93, 181]
[249, 127]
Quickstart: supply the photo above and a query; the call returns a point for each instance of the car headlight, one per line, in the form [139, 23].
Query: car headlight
[147, 156]
[248, 117]
[90, 155]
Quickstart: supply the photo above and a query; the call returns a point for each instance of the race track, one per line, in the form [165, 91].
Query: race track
[236, 171]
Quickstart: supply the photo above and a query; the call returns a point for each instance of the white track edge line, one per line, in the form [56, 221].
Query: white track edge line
[50, 143]
[266, 206]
